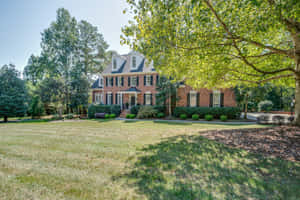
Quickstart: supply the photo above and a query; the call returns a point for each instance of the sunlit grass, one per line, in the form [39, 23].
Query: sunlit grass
[139, 160]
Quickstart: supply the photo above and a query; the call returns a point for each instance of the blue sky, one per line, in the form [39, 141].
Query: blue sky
[22, 21]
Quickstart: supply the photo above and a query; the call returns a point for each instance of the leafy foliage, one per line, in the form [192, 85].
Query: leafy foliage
[195, 116]
[216, 112]
[13, 93]
[36, 107]
[146, 112]
[223, 118]
[208, 117]
[108, 109]
[183, 116]
[265, 106]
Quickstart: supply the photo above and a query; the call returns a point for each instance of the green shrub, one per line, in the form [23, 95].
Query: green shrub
[195, 116]
[160, 115]
[183, 116]
[223, 118]
[265, 106]
[70, 116]
[112, 116]
[107, 116]
[56, 117]
[216, 112]
[108, 109]
[36, 107]
[132, 116]
[135, 109]
[128, 116]
[160, 109]
[146, 112]
[208, 117]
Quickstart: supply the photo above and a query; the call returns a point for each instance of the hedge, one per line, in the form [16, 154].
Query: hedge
[109, 109]
[135, 109]
[216, 112]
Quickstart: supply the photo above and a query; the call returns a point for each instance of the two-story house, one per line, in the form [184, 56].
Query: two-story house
[129, 80]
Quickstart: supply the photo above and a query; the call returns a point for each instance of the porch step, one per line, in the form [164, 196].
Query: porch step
[124, 113]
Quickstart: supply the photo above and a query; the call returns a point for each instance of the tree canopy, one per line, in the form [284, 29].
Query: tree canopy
[217, 44]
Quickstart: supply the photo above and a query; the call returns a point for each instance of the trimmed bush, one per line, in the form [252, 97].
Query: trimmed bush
[70, 116]
[265, 106]
[107, 116]
[208, 117]
[160, 109]
[128, 116]
[132, 116]
[216, 112]
[146, 112]
[223, 118]
[112, 116]
[160, 115]
[108, 109]
[183, 116]
[195, 116]
[135, 109]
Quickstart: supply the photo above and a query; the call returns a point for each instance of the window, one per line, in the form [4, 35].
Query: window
[109, 99]
[216, 98]
[119, 99]
[119, 81]
[98, 98]
[148, 99]
[148, 80]
[109, 81]
[193, 99]
[133, 62]
[114, 64]
[133, 81]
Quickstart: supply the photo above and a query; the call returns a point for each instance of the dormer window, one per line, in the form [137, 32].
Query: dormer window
[134, 62]
[114, 64]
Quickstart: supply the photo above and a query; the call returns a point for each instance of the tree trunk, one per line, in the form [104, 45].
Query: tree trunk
[5, 118]
[170, 104]
[297, 102]
[246, 107]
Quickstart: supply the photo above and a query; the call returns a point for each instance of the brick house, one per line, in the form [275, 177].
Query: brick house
[130, 80]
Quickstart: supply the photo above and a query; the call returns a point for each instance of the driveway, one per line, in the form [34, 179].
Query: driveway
[254, 116]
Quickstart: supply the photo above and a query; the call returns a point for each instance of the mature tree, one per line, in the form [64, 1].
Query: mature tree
[166, 93]
[92, 48]
[13, 94]
[212, 43]
[34, 70]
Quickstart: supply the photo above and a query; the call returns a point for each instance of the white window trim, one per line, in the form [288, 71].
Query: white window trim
[148, 98]
[131, 81]
[193, 94]
[218, 103]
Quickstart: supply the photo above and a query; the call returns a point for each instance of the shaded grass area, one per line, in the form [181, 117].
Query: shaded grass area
[110, 159]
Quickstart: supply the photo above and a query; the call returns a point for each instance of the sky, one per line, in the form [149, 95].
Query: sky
[22, 21]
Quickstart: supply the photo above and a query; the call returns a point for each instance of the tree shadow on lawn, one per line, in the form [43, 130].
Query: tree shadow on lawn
[194, 167]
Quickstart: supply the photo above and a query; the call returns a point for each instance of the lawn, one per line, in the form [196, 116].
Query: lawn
[135, 160]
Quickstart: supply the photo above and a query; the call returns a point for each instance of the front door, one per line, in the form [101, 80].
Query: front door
[132, 100]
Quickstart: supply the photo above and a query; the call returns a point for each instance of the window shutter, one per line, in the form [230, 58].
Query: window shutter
[128, 81]
[151, 99]
[222, 100]
[111, 99]
[151, 82]
[144, 80]
[144, 99]
[157, 79]
[137, 81]
[198, 98]
[211, 100]
[106, 98]
[122, 81]
[116, 98]
[106, 83]
[112, 81]
[117, 82]
[188, 100]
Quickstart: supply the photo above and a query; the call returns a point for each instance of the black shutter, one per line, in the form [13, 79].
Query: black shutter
[151, 99]
[211, 100]
[106, 100]
[122, 81]
[128, 81]
[222, 100]
[198, 98]
[151, 83]
[111, 99]
[157, 79]
[188, 100]
[106, 83]
[144, 80]
[117, 82]
[144, 99]
[137, 81]
[116, 99]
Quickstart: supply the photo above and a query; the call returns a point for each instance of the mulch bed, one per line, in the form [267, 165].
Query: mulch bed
[281, 141]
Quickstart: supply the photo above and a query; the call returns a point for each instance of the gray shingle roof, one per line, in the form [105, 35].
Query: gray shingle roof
[96, 84]
[126, 68]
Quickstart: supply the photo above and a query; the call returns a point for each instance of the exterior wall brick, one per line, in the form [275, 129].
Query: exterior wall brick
[182, 92]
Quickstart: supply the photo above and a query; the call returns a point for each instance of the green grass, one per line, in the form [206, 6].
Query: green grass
[110, 159]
